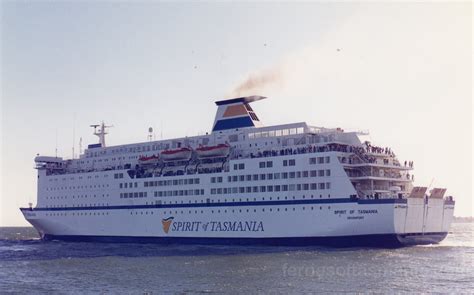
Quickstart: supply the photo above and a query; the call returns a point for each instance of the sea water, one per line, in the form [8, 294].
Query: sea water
[29, 265]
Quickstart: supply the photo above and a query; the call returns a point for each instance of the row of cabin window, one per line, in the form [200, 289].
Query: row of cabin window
[147, 148]
[118, 175]
[240, 166]
[171, 182]
[277, 209]
[73, 196]
[76, 187]
[195, 192]
[78, 205]
[278, 132]
[319, 160]
[271, 176]
[208, 200]
[79, 214]
[80, 177]
[272, 188]
[133, 195]
[267, 164]
[128, 184]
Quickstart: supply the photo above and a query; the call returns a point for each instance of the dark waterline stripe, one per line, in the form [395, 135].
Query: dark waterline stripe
[371, 240]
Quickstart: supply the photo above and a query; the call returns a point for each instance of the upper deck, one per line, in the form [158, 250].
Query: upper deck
[236, 141]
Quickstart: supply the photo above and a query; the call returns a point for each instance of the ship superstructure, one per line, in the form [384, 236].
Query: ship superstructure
[243, 183]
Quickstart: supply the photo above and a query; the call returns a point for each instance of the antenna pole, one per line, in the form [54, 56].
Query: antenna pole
[73, 134]
[56, 146]
[80, 145]
[431, 183]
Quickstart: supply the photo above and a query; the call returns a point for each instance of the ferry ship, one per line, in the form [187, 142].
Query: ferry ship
[242, 183]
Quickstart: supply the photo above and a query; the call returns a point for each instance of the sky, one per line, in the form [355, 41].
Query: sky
[401, 70]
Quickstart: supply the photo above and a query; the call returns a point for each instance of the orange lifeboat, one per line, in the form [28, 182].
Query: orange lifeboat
[220, 150]
[176, 154]
[148, 160]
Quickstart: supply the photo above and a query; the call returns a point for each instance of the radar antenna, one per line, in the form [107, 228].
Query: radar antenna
[100, 131]
[150, 134]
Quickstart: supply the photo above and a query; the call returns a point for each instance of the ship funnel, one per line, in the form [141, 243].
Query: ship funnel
[236, 113]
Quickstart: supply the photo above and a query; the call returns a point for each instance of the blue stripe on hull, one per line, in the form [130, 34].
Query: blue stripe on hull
[227, 204]
[376, 240]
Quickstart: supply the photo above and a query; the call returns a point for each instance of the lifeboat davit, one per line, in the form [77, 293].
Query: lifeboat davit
[220, 150]
[176, 154]
[148, 160]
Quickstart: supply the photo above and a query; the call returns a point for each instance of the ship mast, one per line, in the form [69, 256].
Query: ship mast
[101, 132]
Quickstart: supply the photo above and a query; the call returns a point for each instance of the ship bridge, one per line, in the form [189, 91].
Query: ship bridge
[236, 113]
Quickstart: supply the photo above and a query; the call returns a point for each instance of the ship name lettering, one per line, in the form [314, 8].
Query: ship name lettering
[254, 226]
[372, 211]
[186, 226]
[218, 226]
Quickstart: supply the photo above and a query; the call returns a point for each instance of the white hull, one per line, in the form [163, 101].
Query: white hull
[220, 222]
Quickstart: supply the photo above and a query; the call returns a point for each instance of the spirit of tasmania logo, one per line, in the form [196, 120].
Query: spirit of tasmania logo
[167, 223]
[215, 226]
